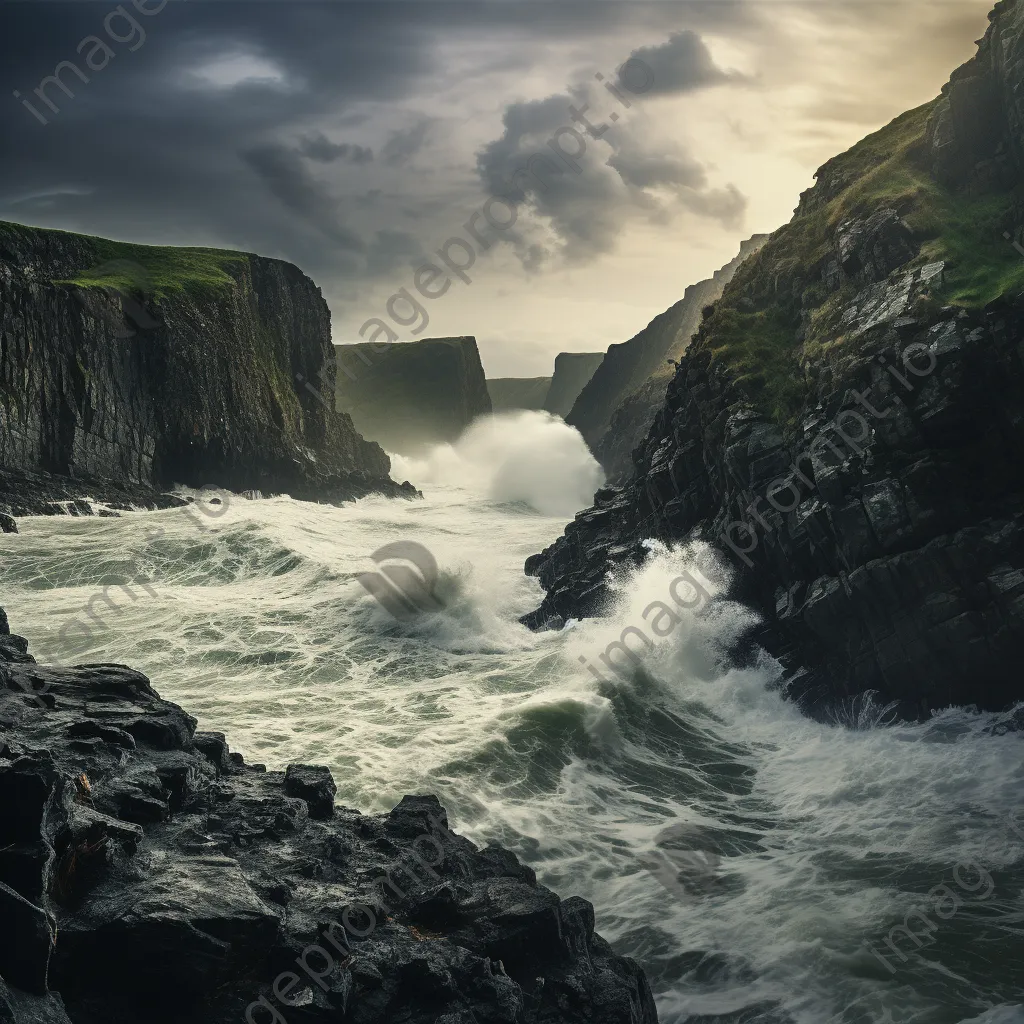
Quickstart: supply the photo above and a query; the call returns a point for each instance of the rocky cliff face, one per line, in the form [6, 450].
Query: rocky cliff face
[411, 395]
[148, 874]
[572, 372]
[154, 365]
[508, 393]
[615, 410]
[847, 427]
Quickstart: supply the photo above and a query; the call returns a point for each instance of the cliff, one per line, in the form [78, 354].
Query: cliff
[509, 393]
[149, 874]
[149, 366]
[615, 410]
[572, 372]
[411, 395]
[847, 426]
[649, 358]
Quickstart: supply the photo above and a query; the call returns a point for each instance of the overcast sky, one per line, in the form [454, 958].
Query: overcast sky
[354, 139]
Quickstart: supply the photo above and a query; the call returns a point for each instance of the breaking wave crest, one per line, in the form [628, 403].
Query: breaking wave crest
[754, 861]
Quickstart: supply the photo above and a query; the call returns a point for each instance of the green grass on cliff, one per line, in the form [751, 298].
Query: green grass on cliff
[158, 270]
[888, 169]
[753, 328]
[150, 270]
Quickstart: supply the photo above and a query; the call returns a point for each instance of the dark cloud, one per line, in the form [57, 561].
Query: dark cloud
[288, 179]
[318, 147]
[405, 143]
[390, 250]
[174, 142]
[681, 64]
[587, 199]
[648, 171]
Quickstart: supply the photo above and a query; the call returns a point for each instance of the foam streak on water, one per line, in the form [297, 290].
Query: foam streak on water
[750, 858]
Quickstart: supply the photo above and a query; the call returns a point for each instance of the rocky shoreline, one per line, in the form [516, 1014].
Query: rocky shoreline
[149, 874]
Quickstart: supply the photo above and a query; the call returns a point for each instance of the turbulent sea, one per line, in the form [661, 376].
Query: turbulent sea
[753, 861]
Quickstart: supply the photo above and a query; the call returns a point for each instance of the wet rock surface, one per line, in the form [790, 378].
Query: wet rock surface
[148, 874]
[885, 552]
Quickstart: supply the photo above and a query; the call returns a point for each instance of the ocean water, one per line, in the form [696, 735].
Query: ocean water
[761, 866]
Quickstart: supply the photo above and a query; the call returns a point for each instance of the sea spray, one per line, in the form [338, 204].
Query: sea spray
[527, 456]
[744, 854]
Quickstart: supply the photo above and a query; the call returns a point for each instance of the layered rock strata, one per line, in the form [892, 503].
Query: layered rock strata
[146, 366]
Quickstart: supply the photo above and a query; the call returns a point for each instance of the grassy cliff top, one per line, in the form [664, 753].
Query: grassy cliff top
[889, 168]
[153, 270]
[754, 328]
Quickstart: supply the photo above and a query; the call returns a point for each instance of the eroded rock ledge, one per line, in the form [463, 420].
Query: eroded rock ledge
[148, 874]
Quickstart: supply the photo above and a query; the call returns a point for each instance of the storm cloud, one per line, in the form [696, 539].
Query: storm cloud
[621, 171]
[681, 64]
[352, 138]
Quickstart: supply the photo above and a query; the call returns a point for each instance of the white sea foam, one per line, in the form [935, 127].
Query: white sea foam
[526, 456]
[750, 858]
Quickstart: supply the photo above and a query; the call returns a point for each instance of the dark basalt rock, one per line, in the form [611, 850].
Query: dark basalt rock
[20, 1007]
[879, 531]
[26, 942]
[314, 784]
[162, 879]
[899, 567]
[222, 386]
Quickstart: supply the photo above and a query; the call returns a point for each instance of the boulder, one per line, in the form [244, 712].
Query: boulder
[315, 785]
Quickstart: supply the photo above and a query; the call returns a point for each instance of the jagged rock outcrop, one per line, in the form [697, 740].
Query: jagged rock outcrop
[615, 410]
[408, 396]
[147, 366]
[149, 874]
[848, 423]
[572, 372]
[510, 393]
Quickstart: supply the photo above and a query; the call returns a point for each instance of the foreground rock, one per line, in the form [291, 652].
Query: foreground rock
[148, 874]
[847, 427]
